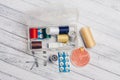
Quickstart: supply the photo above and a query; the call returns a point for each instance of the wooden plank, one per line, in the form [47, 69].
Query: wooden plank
[12, 14]
[18, 5]
[36, 2]
[114, 4]
[6, 76]
[20, 73]
[95, 73]
[99, 12]
[13, 27]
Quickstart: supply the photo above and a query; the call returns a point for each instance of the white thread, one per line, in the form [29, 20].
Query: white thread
[71, 29]
[52, 30]
[55, 45]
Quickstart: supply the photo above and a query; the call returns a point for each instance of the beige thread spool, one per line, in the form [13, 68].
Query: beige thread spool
[87, 37]
[63, 38]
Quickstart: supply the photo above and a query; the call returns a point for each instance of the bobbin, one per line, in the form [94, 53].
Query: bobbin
[63, 29]
[33, 33]
[87, 37]
[53, 58]
[45, 35]
[55, 45]
[40, 33]
[72, 35]
[52, 30]
[36, 45]
[64, 38]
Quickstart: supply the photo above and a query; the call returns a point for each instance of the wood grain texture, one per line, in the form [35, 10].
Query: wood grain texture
[102, 16]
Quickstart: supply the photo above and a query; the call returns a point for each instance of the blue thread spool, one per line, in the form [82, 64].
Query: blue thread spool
[63, 29]
[40, 34]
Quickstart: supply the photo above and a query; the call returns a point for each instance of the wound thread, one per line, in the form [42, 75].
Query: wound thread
[64, 38]
[87, 37]
[33, 33]
[36, 44]
[63, 29]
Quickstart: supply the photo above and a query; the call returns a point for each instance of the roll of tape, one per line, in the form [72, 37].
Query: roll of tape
[87, 37]
[64, 38]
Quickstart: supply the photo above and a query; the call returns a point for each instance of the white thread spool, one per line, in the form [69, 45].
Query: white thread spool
[72, 35]
[52, 30]
[56, 45]
[71, 29]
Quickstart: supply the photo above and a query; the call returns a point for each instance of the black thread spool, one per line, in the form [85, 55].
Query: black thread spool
[63, 29]
[36, 44]
[53, 58]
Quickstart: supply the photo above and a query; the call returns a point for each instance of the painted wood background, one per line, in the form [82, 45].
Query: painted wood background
[103, 16]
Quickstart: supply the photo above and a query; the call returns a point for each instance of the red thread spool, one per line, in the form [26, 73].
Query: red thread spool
[33, 33]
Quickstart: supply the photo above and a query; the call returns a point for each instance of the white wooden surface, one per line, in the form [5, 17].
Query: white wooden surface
[103, 16]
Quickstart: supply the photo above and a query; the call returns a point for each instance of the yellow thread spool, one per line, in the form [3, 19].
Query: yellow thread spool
[87, 37]
[63, 38]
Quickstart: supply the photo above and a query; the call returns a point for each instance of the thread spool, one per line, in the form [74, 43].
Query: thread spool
[87, 37]
[45, 35]
[36, 44]
[53, 58]
[72, 29]
[80, 57]
[40, 34]
[55, 45]
[64, 38]
[33, 33]
[72, 35]
[63, 29]
[52, 30]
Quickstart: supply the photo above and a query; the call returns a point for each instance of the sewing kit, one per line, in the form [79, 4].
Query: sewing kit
[56, 38]
[62, 40]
